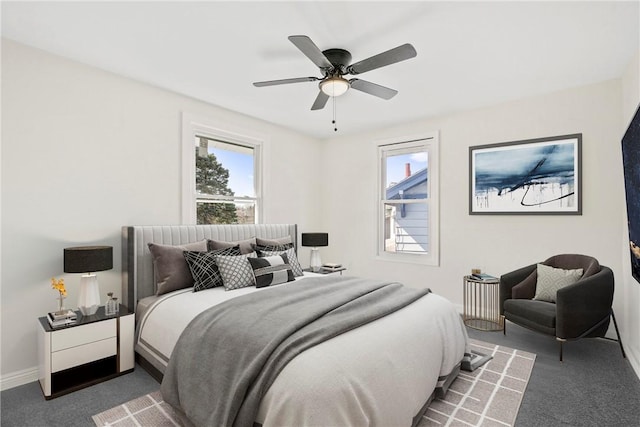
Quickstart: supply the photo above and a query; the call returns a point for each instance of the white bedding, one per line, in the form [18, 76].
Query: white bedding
[164, 318]
[379, 374]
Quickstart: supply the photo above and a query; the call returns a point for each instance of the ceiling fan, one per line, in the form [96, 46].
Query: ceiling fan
[334, 64]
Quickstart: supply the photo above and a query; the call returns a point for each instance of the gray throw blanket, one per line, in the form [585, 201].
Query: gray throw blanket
[229, 355]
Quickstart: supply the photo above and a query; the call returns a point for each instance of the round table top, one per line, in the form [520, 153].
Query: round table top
[473, 279]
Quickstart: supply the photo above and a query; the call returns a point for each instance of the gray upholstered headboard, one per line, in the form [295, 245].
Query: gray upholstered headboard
[137, 264]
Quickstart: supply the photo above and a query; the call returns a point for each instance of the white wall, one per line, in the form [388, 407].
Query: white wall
[85, 152]
[630, 316]
[496, 243]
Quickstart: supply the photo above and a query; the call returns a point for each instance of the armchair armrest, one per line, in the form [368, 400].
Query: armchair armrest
[509, 280]
[581, 306]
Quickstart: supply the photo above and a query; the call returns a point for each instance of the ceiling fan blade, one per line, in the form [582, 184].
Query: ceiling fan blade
[320, 102]
[373, 89]
[308, 47]
[397, 54]
[285, 81]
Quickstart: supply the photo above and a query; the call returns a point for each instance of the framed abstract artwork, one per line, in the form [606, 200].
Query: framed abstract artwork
[532, 177]
[631, 162]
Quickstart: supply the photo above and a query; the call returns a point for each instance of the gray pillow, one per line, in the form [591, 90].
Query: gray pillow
[246, 246]
[273, 242]
[170, 267]
[550, 280]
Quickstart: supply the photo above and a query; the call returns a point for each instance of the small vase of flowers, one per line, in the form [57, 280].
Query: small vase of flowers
[58, 285]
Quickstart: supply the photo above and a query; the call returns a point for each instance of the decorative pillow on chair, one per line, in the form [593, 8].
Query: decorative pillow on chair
[203, 267]
[550, 280]
[171, 269]
[236, 271]
[291, 256]
[246, 246]
[272, 270]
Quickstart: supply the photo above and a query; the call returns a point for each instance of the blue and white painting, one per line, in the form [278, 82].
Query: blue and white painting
[631, 162]
[540, 176]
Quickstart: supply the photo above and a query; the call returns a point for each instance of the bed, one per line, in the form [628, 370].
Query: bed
[383, 372]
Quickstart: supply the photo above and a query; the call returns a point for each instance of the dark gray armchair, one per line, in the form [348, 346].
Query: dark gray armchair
[581, 310]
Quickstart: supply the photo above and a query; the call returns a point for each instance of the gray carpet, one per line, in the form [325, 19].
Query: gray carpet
[594, 386]
[25, 406]
[490, 394]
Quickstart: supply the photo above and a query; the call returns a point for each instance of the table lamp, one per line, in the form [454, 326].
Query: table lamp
[88, 260]
[315, 240]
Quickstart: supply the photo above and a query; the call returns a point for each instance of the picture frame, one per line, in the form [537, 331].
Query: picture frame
[631, 165]
[540, 176]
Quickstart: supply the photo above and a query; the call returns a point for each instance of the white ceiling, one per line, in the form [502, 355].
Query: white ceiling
[470, 54]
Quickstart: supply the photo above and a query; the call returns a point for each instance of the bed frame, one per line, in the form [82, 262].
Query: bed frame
[137, 263]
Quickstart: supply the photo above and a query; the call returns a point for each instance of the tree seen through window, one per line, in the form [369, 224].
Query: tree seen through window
[221, 167]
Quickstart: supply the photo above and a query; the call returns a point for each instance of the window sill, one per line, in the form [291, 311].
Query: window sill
[409, 259]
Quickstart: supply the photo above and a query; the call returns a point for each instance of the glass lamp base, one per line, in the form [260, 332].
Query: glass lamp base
[89, 298]
[315, 262]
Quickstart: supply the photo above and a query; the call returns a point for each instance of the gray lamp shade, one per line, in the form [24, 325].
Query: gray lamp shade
[88, 259]
[315, 239]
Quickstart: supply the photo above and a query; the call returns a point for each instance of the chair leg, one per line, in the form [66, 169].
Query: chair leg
[504, 326]
[560, 340]
[618, 334]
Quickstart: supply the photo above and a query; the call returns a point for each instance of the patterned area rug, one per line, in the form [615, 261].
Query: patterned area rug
[489, 396]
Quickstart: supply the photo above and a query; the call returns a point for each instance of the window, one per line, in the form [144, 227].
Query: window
[225, 191]
[408, 199]
[221, 175]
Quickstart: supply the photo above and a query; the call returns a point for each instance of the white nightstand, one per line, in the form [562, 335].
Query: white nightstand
[95, 349]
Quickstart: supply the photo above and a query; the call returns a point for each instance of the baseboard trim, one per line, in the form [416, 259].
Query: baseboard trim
[633, 358]
[18, 378]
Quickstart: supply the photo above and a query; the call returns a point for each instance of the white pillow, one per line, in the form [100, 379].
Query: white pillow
[550, 280]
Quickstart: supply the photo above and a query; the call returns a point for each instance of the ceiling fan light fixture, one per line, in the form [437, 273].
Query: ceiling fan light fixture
[334, 86]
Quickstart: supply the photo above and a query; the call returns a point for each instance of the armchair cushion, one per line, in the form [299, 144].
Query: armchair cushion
[536, 315]
[550, 280]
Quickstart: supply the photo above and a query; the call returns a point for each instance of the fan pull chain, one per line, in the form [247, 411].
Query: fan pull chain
[335, 128]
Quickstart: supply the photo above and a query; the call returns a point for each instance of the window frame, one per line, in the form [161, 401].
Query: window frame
[196, 126]
[428, 142]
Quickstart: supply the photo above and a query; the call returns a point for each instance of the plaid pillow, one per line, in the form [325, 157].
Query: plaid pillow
[203, 267]
[236, 271]
[273, 247]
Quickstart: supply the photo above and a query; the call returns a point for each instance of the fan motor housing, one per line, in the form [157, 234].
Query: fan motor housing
[340, 58]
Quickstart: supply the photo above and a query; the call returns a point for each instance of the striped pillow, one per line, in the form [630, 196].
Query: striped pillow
[291, 256]
[272, 270]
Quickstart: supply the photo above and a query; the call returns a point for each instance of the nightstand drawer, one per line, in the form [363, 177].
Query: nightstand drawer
[73, 337]
[78, 355]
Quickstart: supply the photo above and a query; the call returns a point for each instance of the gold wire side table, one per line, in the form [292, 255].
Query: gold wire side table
[482, 304]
